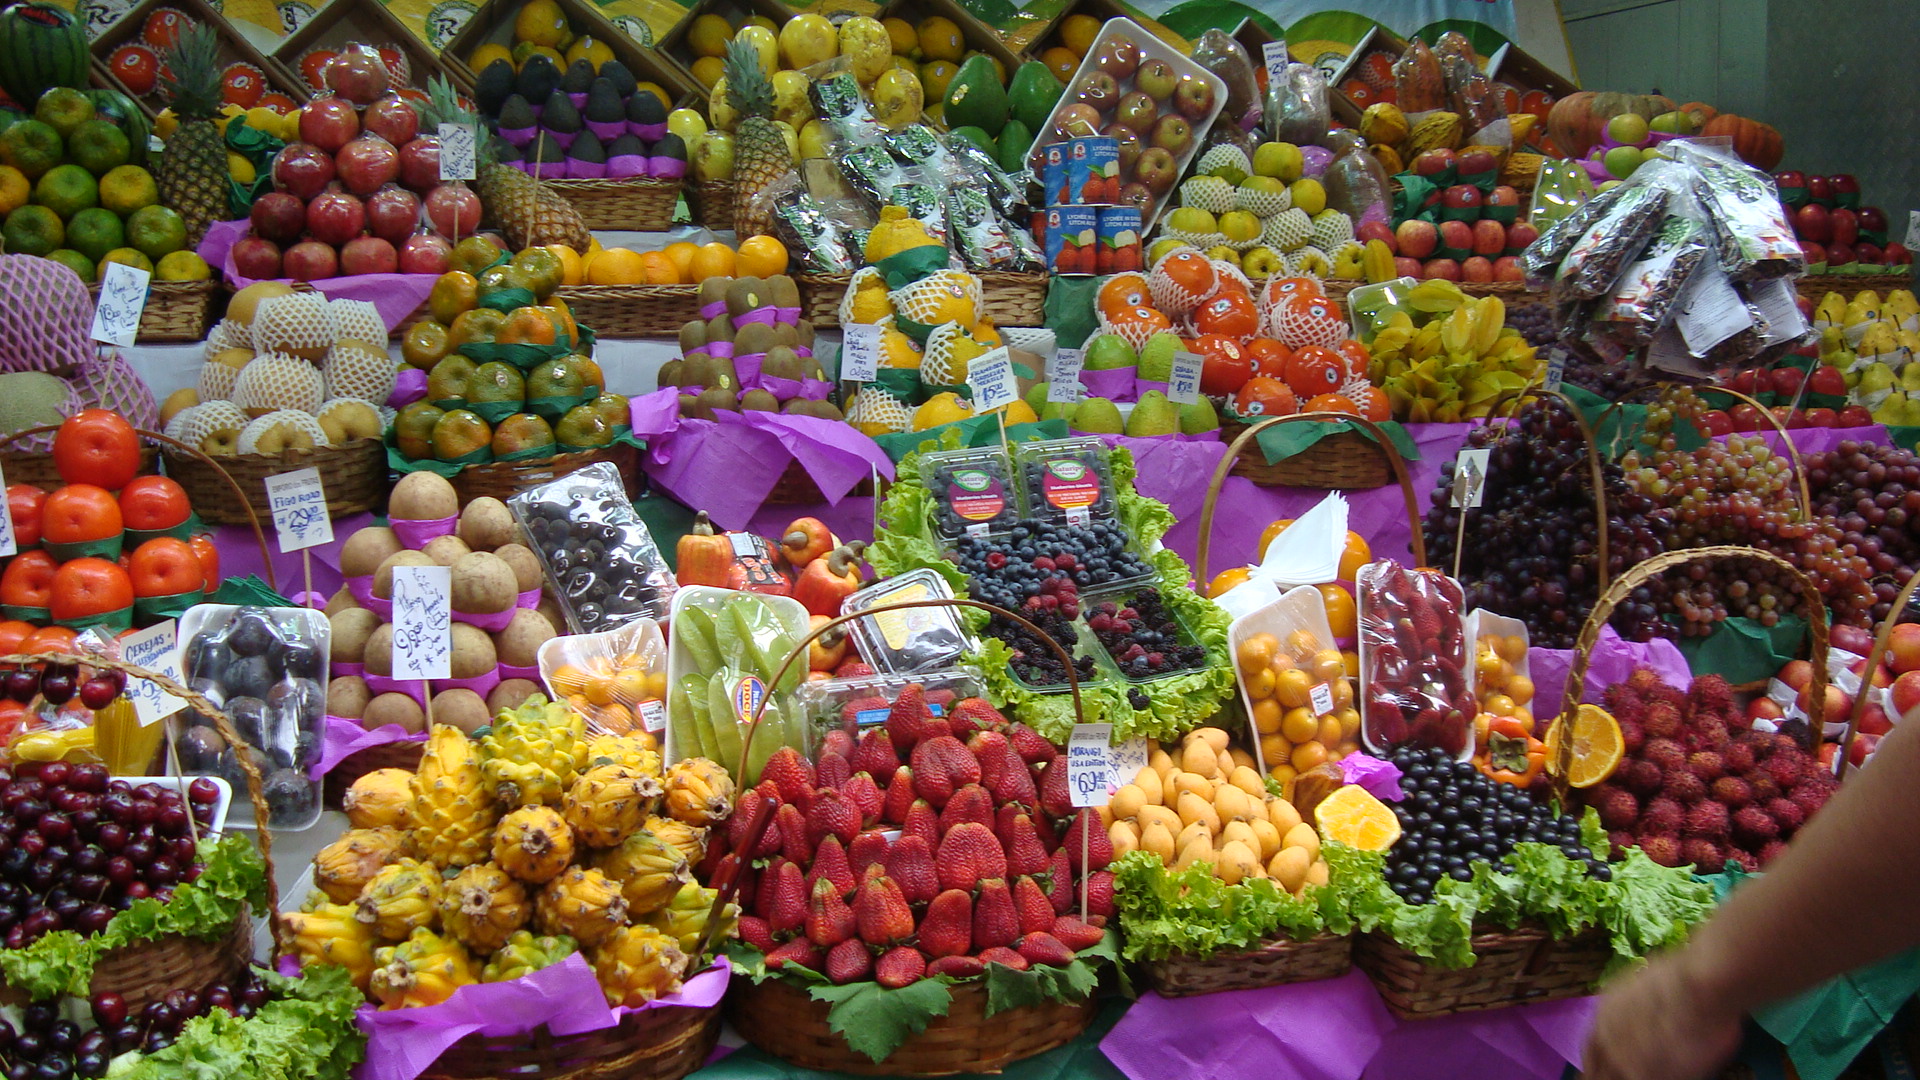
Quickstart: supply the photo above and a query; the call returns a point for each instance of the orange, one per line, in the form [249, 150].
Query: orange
[1226, 579]
[1326, 667]
[1257, 651]
[1597, 746]
[616, 266]
[1354, 817]
[1266, 716]
[1294, 688]
[1061, 61]
[1299, 725]
[1301, 643]
[1520, 689]
[480, 324]
[682, 252]
[661, 269]
[1329, 735]
[573, 269]
[712, 260]
[761, 256]
[14, 189]
[1354, 555]
[1308, 756]
[1123, 291]
[1340, 613]
[1352, 661]
[527, 325]
[1259, 682]
[567, 680]
[1078, 31]
[1267, 534]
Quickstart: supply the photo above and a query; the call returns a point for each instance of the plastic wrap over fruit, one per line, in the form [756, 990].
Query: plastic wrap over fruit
[1356, 184]
[1297, 107]
[1219, 53]
[1473, 95]
[1419, 84]
[1413, 660]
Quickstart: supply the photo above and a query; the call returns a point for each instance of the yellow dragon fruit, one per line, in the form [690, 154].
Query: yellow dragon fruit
[533, 752]
[686, 917]
[691, 841]
[647, 869]
[609, 801]
[637, 964]
[382, 798]
[403, 896]
[581, 904]
[453, 812]
[699, 792]
[344, 867]
[524, 954]
[533, 844]
[636, 751]
[423, 970]
[483, 907]
[332, 934]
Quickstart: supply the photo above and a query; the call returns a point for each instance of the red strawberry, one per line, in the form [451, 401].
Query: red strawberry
[900, 966]
[851, 712]
[1042, 825]
[836, 743]
[865, 794]
[852, 669]
[942, 766]
[881, 911]
[876, 754]
[1055, 799]
[755, 932]
[967, 854]
[1005, 957]
[1033, 747]
[743, 811]
[910, 722]
[849, 961]
[974, 714]
[986, 747]
[769, 791]
[787, 913]
[1044, 949]
[910, 862]
[1030, 901]
[995, 922]
[832, 814]
[947, 927]
[789, 832]
[970, 803]
[893, 808]
[922, 820]
[1099, 849]
[957, 967]
[763, 896]
[800, 952]
[1060, 883]
[1100, 894]
[791, 774]
[1013, 783]
[868, 849]
[829, 920]
[830, 864]
[1025, 853]
[940, 699]
[834, 771]
[1075, 934]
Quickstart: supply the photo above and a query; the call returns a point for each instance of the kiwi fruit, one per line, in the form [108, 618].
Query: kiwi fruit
[394, 708]
[759, 401]
[753, 338]
[366, 549]
[783, 291]
[673, 372]
[744, 295]
[719, 328]
[715, 398]
[693, 336]
[784, 334]
[781, 363]
[713, 291]
[690, 406]
[804, 331]
[446, 550]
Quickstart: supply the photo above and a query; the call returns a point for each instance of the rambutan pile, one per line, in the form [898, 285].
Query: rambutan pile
[1696, 784]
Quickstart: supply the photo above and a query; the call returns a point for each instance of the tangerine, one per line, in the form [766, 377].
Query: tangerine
[480, 324]
[1330, 403]
[660, 269]
[682, 253]
[712, 260]
[527, 325]
[616, 266]
[1340, 612]
[1267, 534]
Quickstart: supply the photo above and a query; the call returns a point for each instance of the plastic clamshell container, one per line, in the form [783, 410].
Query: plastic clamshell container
[1150, 47]
[601, 656]
[601, 520]
[1123, 600]
[1372, 628]
[792, 616]
[1067, 481]
[1301, 608]
[825, 701]
[907, 642]
[980, 497]
[290, 743]
[1381, 297]
[1482, 623]
[1083, 644]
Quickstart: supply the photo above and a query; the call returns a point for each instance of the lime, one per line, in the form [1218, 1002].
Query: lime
[30, 146]
[95, 231]
[183, 266]
[63, 109]
[33, 230]
[99, 147]
[66, 190]
[156, 231]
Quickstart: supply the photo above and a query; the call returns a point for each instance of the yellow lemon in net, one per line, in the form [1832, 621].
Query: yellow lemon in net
[1019, 412]
[870, 301]
[944, 408]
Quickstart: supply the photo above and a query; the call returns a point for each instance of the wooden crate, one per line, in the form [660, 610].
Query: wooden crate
[1512, 66]
[673, 48]
[233, 48]
[493, 22]
[1377, 40]
[345, 22]
[1104, 10]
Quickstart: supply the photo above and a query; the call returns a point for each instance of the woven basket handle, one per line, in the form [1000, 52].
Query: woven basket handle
[1633, 579]
[1874, 656]
[221, 723]
[1417, 541]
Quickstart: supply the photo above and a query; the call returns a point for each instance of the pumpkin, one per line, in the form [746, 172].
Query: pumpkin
[1757, 144]
[1579, 121]
[1701, 112]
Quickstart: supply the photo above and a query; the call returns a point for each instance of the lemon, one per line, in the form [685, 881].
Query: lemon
[542, 23]
[129, 257]
[708, 35]
[589, 48]
[484, 55]
[905, 41]
[940, 39]
[1308, 195]
[239, 168]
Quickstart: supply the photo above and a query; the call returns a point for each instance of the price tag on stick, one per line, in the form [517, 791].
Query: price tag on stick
[123, 296]
[860, 352]
[991, 378]
[1183, 386]
[1274, 54]
[1556, 369]
[422, 622]
[457, 151]
[1063, 375]
[1470, 477]
[157, 649]
[1089, 765]
[299, 502]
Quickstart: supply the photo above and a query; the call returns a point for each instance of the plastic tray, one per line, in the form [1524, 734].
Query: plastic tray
[1362, 590]
[1481, 621]
[824, 701]
[1126, 599]
[1151, 47]
[882, 639]
[1379, 297]
[596, 498]
[1301, 608]
[1050, 487]
[642, 710]
[968, 506]
[792, 615]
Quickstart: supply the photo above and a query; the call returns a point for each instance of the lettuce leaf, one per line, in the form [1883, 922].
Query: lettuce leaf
[1649, 906]
[1165, 912]
[306, 1032]
[1556, 890]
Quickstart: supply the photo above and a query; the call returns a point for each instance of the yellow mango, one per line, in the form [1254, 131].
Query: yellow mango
[1151, 790]
[1198, 758]
[1268, 836]
[1124, 838]
[1236, 862]
[1198, 850]
[1127, 801]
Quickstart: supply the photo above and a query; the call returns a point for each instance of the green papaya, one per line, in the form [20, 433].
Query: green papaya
[975, 97]
[1034, 92]
[1014, 142]
[978, 138]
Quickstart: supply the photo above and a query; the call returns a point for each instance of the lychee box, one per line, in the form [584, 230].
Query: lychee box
[1119, 238]
[854, 704]
[1056, 190]
[1072, 234]
[1093, 171]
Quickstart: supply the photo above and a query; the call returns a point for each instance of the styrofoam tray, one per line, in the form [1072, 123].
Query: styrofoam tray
[788, 610]
[1299, 608]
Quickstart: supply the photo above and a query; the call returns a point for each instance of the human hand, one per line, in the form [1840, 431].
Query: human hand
[1658, 1025]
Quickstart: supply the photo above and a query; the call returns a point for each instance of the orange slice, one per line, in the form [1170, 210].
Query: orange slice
[1352, 816]
[1597, 746]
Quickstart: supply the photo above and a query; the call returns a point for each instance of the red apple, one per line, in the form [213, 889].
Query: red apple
[1442, 269]
[1872, 219]
[1822, 418]
[1855, 416]
[420, 163]
[1136, 195]
[1797, 674]
[1881, 676]
[1507, 268]
[1430, 162]
[1789, 417]
[1156, 78]
[278, 216]
[1846, 227]
[1863, 747]
[1827, 380]
[1171, 133]
[1098, 89]
[393, 214]
[1502, 204]
[1820, 190]
[1903, 648]
[1193, 98]
[1478, 268]
[1869, 252]
[1136, 110]
[1416, 239]
[424, 253]
[1844, 184]
[256, 257]
[1717, 422]
[1456, 239]
[329, 122]
[1078, 121]
[358, 75]
[1118, 58]
[1874, 721]
[1475, 162]
[1156, 169]
[1128, 140]
[1377, 230]
[393, 119]
[1489, 237]
[1786, 381]
[368, 255]
[1405, 266]
[335, 217]
[1896, 254]
[1906, 694]
[1813, 222]
[310, 260]
[1834, 707]
[453, 204]
[366, 163]
[1794, 181]
[1461, 197]
[302, 169]
[1520, 236]
[1765, 708]
[1839, 254]
[1813, 253]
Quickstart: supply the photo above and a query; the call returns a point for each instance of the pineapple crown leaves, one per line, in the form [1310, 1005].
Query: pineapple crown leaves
[190, 75]
[749, 90]
[444, 106]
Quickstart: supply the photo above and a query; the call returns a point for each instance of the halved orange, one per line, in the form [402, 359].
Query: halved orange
[1352, 816]
[1597, 746]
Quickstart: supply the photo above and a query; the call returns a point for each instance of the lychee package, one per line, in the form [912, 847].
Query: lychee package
[1093, 171]
[598, 554]
[1285, 659]
[1118, 237]
[1072, 239]
[1413, 660]
[616, 679]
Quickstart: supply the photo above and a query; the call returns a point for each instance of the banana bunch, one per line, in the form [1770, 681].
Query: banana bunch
[1451, 358]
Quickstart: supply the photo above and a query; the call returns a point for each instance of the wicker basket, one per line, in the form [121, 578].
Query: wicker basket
[633, 311]
[650, 1044]
[1416, 989]
[1008, 299]
[1816, 286]
[175, 310]
[634, 204]
[31, 467]
[711, 203]
[1275, 963]
[1344, 461]
[796, 488]
[355, 477]
[504, 479]
[786, 1022]
[393, 755]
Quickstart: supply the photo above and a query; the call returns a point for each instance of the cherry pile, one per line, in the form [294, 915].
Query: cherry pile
[48, 1046]
[77, 846]
[58, 684]
[1143, 638]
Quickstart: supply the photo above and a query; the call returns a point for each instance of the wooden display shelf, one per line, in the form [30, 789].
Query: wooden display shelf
[234, 48]
[345, 22]
[673, 49]
[493, 22]
[1377, 40]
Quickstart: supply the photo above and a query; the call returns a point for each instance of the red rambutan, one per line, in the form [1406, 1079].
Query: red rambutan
[1643, 680]
[1641, 778]
[1664, 850]
[1707, 765]
[1788, 767]
[1787, 814]
[1708, 820]
[1738, 756]
[1741, 859]
[1683, 787]
[1809, 799]
[1663, 720]
[1754, 825]
[1782, 742]
[1710, 693]
[1632, 738]
[1709, 732]
[1772, 850]
[1669, 755]
[1672, 696]
[1763, 786]
[1617, 806]
[1705, 855]
[1625, 703]
[1620, 839]
[1662, 817]
[1732, 792]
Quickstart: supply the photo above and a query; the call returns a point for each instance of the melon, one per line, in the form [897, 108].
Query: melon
[41, 47]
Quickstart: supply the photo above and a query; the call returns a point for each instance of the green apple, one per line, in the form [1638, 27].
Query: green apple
[1279, 160]
[1674, 123]
[1224, 254]
[1109, 351]
[1163, 246]
[1621, 161]
[1628, 128]
[1239, 226]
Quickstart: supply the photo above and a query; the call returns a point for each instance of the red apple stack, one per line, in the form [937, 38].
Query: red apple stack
[1478, 235]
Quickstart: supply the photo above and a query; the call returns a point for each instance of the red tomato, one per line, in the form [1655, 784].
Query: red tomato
[208, 555]
[164, 566]
[28, 580]
[80, 512]
[12, 633]
[89, 586]
[1263, 397]
[153, 502]
[24, 503]
[96, 446]
[1314, 371]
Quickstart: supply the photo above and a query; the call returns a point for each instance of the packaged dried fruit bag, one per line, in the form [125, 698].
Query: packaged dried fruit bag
[1413, 660]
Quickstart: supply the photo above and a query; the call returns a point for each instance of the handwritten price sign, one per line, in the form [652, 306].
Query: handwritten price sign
[157, 649]
[860, 352]
[991, 378]
[1183, 386]
[299, 502]
[422, 622]
[123, 296]
[1063, 375]
[456, 151]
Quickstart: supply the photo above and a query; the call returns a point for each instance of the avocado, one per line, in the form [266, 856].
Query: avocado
[670, 146]
[586, 147]
[505, 152]
[578, 76]
[975, 97]
[626, 146]
[559, 116]
[979, 138]
[1033, 93]
[493, 87]
[538, 77]
[545, 149]
[603, 103]
[516, 114]
[646, 109]
[622, 79]
[1014, 142]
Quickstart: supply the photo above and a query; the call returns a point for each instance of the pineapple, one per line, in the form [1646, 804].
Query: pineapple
[332, 934]
[637, 964]
[699, 791]
[760, 152]
[528, 211]
[647, 869]
[608, 802]
[533, 752]
[192, 171]
[581, 904]
[423, 970]
[453, 811]
[399, 899]
[379, 799]
[344, 867]
[524, 954]
[686, 917]
[483, 907]
[533, 844]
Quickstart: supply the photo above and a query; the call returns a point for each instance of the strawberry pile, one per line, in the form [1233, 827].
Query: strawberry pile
[985, 869]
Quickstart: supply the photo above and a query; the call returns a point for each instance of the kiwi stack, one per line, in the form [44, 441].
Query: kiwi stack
[711, 379]
[492, 565]
[579, 124]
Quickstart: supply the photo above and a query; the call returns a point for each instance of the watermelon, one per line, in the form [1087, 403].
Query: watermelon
[41, 47]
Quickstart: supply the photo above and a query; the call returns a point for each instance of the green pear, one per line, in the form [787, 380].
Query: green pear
[1036, 398]
[1153, 414]
[1156, 360]
[1096, 416]
[1198, 417]
[1109, 351]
